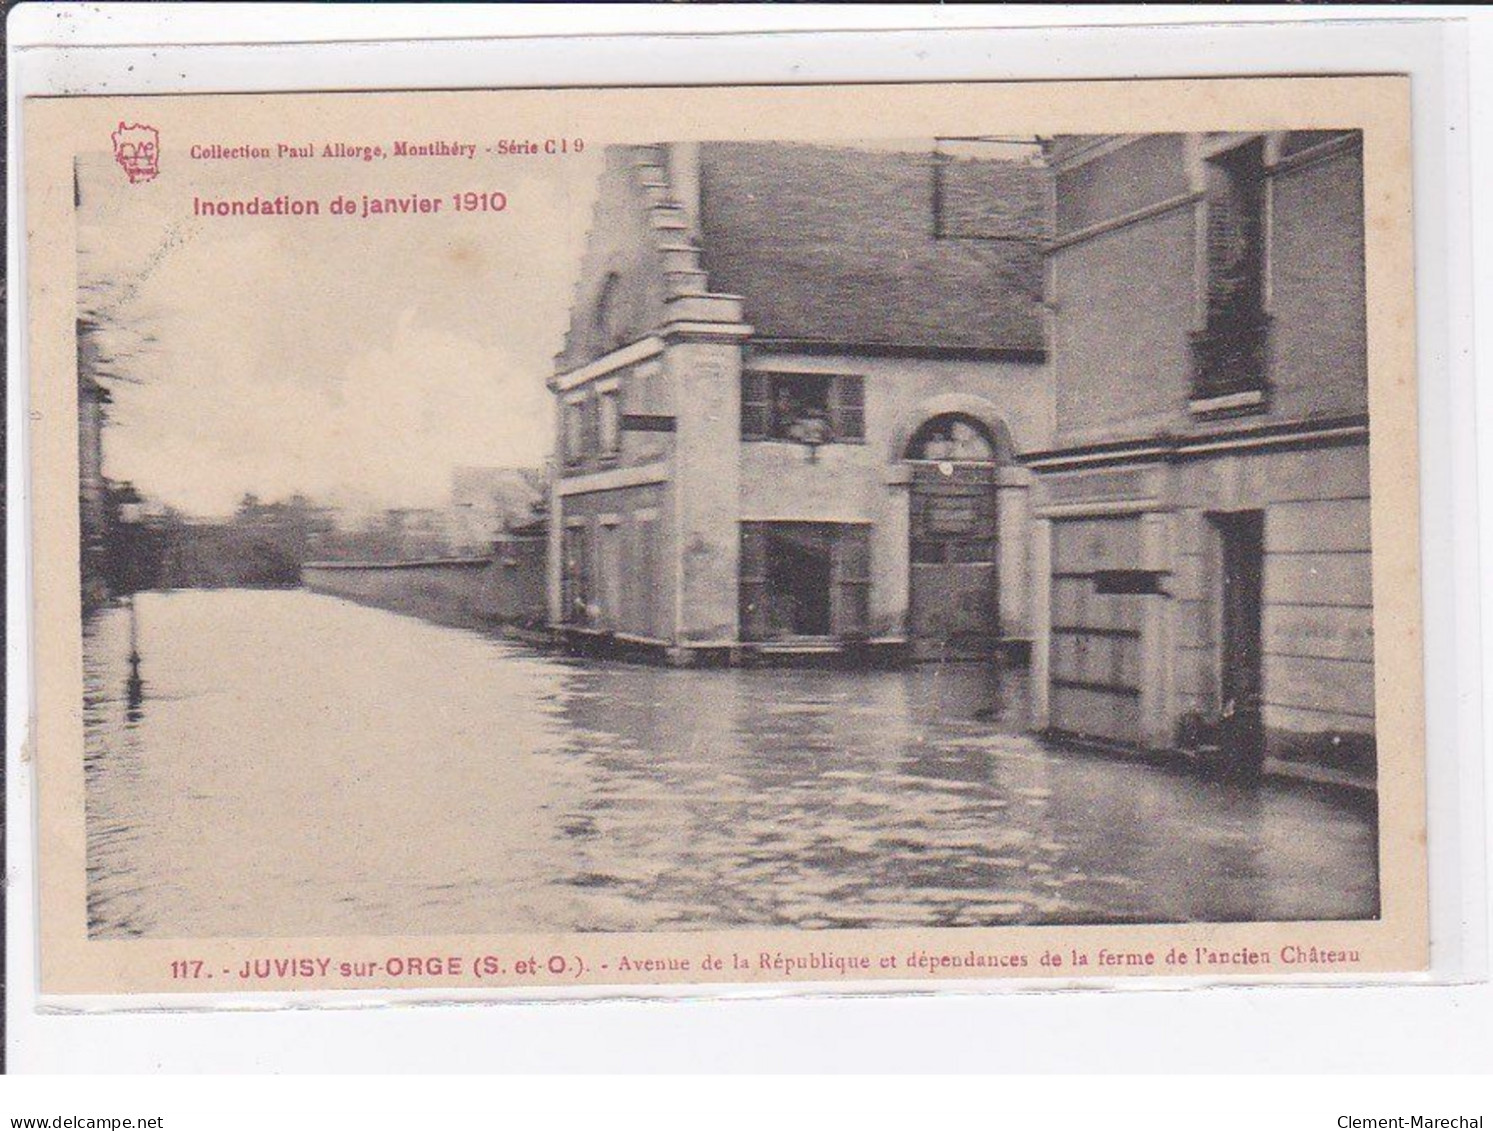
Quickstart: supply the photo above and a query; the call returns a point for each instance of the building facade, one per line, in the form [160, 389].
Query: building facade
[1202, 516]
[793, 400]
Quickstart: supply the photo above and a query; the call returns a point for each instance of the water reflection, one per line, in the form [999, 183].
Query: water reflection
[134, 686]
[300, 765]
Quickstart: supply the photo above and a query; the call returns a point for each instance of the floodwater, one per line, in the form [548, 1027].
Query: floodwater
[294, 764]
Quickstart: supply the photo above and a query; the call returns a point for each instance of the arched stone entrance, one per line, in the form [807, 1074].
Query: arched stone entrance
[953, 580]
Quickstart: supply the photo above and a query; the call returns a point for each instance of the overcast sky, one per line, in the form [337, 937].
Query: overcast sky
[355, 360]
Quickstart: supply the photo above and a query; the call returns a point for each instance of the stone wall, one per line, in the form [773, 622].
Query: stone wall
[505, 589]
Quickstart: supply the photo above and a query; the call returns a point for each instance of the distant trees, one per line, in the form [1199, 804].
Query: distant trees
[263, 545]
[145, 545]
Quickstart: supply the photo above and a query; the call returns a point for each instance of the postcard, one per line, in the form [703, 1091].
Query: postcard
[839, 536]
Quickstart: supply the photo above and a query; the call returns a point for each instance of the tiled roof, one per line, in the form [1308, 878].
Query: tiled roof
[876, 248]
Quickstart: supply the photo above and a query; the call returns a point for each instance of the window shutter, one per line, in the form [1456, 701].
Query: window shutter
[852, 577]
[1235, 234]
[609, 409]
[1225, 243]
[575, 431]
[848, 406]
[753, 581]
[756, 405]
[576, 576]
[592, 424]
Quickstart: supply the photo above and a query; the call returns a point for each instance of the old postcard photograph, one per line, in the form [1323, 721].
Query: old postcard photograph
[847, 536]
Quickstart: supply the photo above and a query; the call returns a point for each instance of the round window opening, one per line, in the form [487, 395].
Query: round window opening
[954, 437]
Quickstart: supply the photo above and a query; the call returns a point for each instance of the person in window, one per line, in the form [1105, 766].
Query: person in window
[801, 415]
[784, 413]
[811, 427]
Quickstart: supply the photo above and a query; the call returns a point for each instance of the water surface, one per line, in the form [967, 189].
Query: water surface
[295, 764]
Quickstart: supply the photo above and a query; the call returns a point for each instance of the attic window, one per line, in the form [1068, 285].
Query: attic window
[608, 319]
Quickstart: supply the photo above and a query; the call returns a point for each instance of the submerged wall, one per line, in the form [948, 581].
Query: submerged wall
[505, 589]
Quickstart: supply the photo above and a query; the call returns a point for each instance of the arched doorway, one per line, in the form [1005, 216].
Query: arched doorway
[953, 606]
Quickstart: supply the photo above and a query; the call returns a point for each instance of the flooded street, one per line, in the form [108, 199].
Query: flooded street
[294, 764]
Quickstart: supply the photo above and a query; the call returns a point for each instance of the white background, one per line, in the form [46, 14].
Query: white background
[1379, 1029]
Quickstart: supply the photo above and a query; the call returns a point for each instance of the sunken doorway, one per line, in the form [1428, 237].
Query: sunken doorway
[804, 581]
[953, 609]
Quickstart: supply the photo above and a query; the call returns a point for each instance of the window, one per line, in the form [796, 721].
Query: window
[593, 422]
[848, 409]
[609, 421]
[1229, 353]
[575, 430]
[590, 427]
[805, 408]
[611, 334]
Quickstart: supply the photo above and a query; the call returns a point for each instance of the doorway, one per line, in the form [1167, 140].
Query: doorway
[1241, 542]
[798, 581]
[952, 606]
[804, 580]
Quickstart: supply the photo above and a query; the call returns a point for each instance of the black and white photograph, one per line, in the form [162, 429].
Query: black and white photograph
[490, 533]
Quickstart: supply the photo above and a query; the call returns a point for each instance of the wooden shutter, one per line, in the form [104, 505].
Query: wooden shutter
[848, 409]
[647, 583]
[852, 580]
[1235, 234]
[609, 421]
[574, 419]
[756, 405]
[753, 581]
[592, 426]
[576, 576]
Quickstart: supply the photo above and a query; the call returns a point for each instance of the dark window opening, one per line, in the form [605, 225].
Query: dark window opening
[1236, 223]
[805, 408]
[804, 579]
[800, 408]
[798, 584]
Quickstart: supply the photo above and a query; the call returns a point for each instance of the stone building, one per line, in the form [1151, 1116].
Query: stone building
[793, 399]
[1202, 514]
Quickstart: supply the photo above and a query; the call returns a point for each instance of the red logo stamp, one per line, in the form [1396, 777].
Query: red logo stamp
[137, 148]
